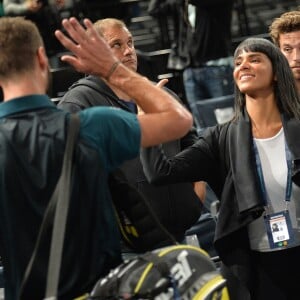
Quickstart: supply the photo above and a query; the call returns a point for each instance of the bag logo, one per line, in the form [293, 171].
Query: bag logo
[181, 272]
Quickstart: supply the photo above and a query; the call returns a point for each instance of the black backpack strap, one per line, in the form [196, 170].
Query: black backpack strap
[56, 205]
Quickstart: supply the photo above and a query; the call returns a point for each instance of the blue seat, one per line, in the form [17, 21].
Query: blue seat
[209, 112]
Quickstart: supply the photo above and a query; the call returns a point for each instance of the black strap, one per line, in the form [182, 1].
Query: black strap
[61, 212]
[58, 204]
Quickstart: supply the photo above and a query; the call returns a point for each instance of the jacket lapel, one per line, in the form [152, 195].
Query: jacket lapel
[243, 165]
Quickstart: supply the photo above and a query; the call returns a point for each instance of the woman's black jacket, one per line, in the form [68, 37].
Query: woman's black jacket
[223, 156]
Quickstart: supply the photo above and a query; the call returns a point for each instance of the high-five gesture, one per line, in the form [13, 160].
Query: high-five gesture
[91, 53]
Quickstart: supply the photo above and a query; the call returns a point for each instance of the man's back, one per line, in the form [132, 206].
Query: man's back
[32, 147]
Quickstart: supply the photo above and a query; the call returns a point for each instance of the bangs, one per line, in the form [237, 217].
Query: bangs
[256, 45]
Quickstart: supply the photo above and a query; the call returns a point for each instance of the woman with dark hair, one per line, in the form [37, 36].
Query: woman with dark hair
[253, 165]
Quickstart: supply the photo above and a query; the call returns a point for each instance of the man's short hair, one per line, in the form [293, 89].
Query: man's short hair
[286, 23]
[19, 42]
[102, 24]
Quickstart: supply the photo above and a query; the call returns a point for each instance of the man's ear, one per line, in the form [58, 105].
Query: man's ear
[42, 58]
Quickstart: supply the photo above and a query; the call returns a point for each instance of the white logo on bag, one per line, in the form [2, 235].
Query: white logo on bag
[181, 272]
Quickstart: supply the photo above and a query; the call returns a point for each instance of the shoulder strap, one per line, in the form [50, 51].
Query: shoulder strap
[59, 204]
[62, 198]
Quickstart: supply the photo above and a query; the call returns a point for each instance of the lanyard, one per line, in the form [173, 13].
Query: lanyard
[288, 191]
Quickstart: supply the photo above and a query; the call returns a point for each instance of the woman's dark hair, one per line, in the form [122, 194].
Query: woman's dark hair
[285, 89]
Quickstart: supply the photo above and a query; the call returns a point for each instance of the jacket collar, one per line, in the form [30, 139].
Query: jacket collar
[25, 103]
[243, 164]
[99, 85]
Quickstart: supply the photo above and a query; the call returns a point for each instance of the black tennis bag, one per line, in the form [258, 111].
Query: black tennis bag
[180, 272]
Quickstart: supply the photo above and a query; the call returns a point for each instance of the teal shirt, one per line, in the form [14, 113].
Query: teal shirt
[115, 133]
[32, 142]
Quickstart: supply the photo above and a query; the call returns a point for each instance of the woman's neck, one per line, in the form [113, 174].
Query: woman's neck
[265, 116]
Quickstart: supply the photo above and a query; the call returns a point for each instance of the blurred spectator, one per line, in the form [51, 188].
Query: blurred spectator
[43, 13]
[209, 70]
[202, 48]
[100, 9]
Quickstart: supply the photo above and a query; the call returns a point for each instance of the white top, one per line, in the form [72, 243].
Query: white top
[274, 167]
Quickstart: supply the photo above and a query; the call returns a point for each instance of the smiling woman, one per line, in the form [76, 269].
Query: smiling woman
[250, 162]
[256, 58]
[253, 74]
